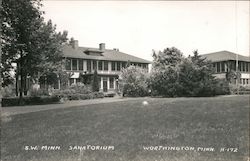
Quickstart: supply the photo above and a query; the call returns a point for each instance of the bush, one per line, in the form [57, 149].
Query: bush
[242, 89]
[8, 91]
[38, 92]
[222, 87]
[14, 101]
[80, 88]
[109, 94]
[72, 95]
[134, 81]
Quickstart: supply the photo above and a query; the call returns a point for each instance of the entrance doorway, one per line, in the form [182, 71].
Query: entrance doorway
[105, 86]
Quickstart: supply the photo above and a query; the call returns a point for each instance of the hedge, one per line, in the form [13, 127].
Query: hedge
[41, 100]
[77, 96]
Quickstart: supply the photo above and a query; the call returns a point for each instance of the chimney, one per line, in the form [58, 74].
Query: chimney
[75, 44]
[102, 46]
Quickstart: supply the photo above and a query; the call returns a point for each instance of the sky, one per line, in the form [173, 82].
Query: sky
[138, 27]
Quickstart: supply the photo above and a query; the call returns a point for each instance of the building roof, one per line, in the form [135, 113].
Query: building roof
[225, 56]
[106, 54]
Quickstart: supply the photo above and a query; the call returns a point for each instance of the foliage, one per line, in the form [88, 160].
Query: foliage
[16, 31]
[95, 82]
[169, 57]
[80, 88]
[173, 75]
[196, 77]
[14, 101]
[38, 92]
[134, 81]
[8, 91]
[164, 78]
[164, 81]
[222, 87]
[78, 91]
[109, 94]
[241, 89]
[77, 96]
[28, 41]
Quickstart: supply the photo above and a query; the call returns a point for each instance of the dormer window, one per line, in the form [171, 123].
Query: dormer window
[93, 52]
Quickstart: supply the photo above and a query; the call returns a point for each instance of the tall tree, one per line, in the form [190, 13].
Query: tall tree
[28, 41]
[196, 77]
[165, 72]
[20, 19]
[95, 82]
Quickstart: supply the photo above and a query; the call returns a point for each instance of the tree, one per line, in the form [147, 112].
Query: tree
[28, 41]
[174, 75]
[165, 72]
[95, 82]
[196, 77]
[134, 81]
[20, 19]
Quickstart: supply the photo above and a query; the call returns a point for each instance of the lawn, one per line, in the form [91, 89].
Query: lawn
[130, 127]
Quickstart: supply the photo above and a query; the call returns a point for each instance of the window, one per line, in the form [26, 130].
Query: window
[218, 67]
[243, 66]
[106, 66]
[234, 65]
[123, 64]
[118, 66]
[247, 67]
[94, 64]
[223, 66]
[113, 66]
[247, 81]
[80, 64]
[89, 65]
[111, 82]
[239, 66]
[243, 81]
[99, 81]
[74, 64]
[68, 64]
[100, 65]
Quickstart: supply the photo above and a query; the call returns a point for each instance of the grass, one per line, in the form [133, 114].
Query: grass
[128, 126]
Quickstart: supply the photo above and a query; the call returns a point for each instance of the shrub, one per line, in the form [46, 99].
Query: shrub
[72, 95]
[222, 87]
[109, 94]
[134, 81]
[14, 101]
[242, 89]
[80, 88]
[95, 82]
[38, 92]
[8, 91]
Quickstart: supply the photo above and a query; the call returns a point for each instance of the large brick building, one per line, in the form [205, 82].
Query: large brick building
[225, 61]
[81, 62]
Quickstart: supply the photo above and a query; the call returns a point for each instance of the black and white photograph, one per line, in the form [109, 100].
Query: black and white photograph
[125, 80]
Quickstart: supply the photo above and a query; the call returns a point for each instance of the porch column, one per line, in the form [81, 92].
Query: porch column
[102, 83]
[108, 82]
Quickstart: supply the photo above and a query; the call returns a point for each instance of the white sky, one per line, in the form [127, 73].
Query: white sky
[137, 27]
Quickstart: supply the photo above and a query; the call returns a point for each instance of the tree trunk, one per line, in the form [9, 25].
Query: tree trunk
[21, 81]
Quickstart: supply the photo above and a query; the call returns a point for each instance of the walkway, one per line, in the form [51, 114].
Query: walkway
[34, 108]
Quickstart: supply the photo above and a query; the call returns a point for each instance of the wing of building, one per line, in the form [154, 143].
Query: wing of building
[225, 61]
[81, 62]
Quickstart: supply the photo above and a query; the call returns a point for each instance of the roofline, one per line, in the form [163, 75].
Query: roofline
[148, 62]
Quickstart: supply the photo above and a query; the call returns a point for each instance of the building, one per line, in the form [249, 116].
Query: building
[225, 61]
[81, 62]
